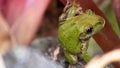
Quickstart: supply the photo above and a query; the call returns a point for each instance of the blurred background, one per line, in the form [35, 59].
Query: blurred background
[45, 47]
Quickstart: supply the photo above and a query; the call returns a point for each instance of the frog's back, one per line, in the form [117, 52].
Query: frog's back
[69, 37]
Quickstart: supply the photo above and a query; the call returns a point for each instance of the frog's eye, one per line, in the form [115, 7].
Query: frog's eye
[89, 29]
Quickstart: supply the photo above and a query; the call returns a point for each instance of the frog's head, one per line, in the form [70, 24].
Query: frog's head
[91, 24]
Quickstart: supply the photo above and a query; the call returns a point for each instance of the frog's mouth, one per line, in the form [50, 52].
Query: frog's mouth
[83, 36]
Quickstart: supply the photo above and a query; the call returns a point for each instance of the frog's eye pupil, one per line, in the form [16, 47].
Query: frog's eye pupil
[89, 30]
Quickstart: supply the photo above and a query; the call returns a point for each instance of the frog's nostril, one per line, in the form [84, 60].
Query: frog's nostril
[100, 22]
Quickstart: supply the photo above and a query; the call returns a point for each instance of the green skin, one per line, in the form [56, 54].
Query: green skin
[76, 29]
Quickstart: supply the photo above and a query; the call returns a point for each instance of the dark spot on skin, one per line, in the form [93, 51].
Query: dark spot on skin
[76, 14]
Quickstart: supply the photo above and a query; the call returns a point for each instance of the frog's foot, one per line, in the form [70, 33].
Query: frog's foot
[72, 59]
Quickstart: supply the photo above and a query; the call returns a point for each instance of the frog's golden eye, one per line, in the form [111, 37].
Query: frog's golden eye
[89, 30]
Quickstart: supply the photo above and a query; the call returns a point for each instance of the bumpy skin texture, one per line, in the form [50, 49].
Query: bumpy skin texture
[75, 30]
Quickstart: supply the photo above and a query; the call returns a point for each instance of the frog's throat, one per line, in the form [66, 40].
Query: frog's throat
[86, 37]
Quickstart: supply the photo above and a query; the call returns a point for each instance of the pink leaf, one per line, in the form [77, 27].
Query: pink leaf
[23, 17]
[12, 9]
[26, 25]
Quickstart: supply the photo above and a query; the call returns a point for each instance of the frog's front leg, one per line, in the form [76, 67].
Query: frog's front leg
[72, 59]
[85, 54]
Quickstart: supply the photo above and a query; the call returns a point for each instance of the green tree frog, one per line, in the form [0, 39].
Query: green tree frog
[75, 29]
